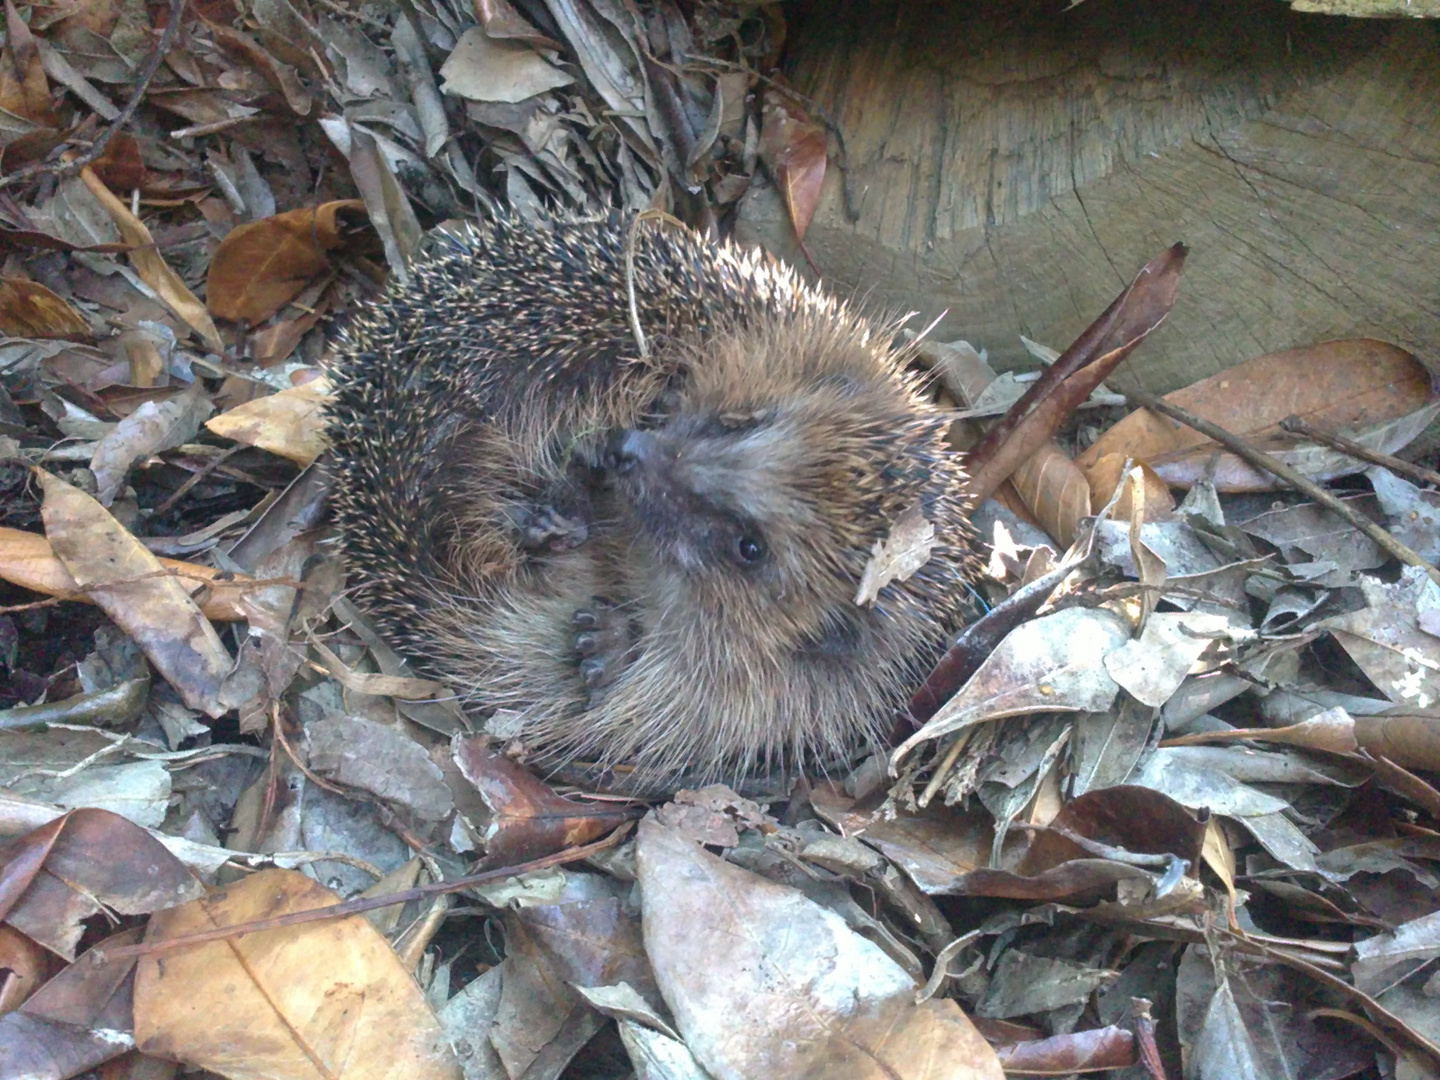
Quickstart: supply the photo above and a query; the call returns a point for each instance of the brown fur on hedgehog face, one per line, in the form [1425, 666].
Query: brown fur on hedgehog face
[759, 494]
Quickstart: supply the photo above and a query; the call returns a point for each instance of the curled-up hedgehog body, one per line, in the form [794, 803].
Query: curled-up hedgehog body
[647, 561]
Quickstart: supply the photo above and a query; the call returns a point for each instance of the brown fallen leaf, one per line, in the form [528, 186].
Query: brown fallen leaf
[290, 423]
[793, 147]
[1106, 473]
[151, 265]
[324, 999]
[121, 167]
[1031, 421]
[30, 310]
[151, 606]
[265, 264]
[28, 965]
[1078, 1051]
[1054, 491]
[70, 1022]
[1409, 738]
[31, 123]
[529, 819]
[1351, 383]
[80, 864]
[28, 560]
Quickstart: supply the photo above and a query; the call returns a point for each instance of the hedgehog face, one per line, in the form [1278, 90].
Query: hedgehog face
[771, 504]
[712, 497]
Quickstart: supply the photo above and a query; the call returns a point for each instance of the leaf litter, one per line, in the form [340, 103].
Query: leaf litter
[1170, 806]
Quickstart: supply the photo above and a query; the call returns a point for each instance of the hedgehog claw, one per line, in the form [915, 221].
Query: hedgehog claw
[603, 642]
[593, 672]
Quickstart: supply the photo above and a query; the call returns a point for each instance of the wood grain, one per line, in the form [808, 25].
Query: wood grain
[1015, 165]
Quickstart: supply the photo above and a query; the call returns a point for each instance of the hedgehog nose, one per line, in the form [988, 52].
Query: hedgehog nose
[628, 449]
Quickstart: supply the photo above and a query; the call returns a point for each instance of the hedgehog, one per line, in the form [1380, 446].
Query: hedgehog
[643, 555]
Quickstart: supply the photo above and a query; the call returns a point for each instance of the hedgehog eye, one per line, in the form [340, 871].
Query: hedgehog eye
[749, 549]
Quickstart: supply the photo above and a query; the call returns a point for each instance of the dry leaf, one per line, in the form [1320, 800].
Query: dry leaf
[1055, 662]
[483, 68]
[30, 310]
[1335, 385]
[1105, 474]
[153, 427]
[904, 551]
[152, 606]
[262, 266]
[28, 560]
[802, 996]
[1129, 320]
[794, 148]
[1054, 491]
[321, 1001]
[152, 267]
[82, 863]
[528, 818]
[1385, 641]
[24, 90]
[290, 423]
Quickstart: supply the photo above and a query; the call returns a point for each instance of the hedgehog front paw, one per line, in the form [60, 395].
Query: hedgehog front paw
[547, 526]
[604, 640]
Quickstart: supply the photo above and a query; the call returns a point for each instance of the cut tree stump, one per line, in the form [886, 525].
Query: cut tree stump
[1016, 163]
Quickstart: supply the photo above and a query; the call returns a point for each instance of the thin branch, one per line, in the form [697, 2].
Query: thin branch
[362, 904]
[1359, 451]
[1304, 484]
[137, 95]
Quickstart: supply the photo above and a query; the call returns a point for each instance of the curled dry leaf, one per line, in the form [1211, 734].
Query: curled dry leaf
[127, 581]
[324, 999]
[764, 983]
[1032, 420]
[265, 264]
[30, 310]
[1409, 739]
[528, 818]
[1055, 491]
[1349, 384]
[1106, 474]
[793, 147]
[28, 560]
[290, 423]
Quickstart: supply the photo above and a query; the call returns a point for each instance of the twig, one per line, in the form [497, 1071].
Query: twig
[137, 95]
[1304, 484]
[362, 904]
[633, 308]
[632, 302]
[1357, 450]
